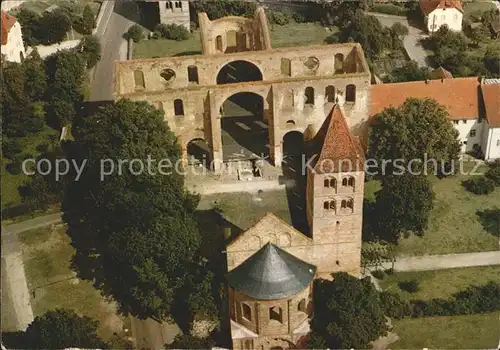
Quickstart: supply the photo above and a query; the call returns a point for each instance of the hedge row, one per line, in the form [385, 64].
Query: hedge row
[389, 9]
[474, 300]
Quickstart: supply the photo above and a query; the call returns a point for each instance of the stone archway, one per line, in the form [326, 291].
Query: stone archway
[244, 132]
[238, 72]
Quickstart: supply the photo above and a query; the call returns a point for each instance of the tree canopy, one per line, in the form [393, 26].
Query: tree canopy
[134, 233]
[347, 313]
[59, 329]
[418, 130]
[402, 206]
[410, 71]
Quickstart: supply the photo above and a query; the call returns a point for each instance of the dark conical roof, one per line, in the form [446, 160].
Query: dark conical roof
[271, 273]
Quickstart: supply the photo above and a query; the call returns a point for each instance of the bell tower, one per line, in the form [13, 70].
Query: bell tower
[334, 195]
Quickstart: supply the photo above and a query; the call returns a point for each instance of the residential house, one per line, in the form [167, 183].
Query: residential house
[460, 97]
[12, 47]
[442, 12]
[490, 91]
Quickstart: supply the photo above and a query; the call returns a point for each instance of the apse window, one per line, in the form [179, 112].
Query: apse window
[276, 314]
[247, 312]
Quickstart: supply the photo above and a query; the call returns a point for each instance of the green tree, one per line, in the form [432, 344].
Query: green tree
[60, 329]
[30, 23]
[88, 20]
[450, 49]
[410, 71]
[418, 130]
[135, 234]
[190, 342]
[367, 31]
[53, 27]
[172, 31]
[347, 313]
[135, 33]
[491, 61]
[403, 205]
[221, 8]
[90, 47]
[35, 83]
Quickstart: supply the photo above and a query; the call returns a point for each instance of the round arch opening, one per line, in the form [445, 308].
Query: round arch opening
[238, 72]
[198, 152]
[245, 133]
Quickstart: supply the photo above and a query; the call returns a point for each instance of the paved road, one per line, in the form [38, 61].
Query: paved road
[114, 47]
[445, 261]
[411, 41]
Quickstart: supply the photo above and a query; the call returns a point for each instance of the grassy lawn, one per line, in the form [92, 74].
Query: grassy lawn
[47, 254]
[10, 182]
[453, 224]
[449, 332]
[477, 6]
[431, 282]
[293, 34]
[245, 209]
[298, 34]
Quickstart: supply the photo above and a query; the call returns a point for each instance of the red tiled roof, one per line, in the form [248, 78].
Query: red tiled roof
[427, 6]
[340, 152]
[491, 94]
[460, 96]
[7, 22]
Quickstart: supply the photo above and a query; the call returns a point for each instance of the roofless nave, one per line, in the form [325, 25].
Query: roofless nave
[293, 89]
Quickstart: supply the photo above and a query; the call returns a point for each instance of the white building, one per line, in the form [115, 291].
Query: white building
[12, 47]
[460, 96]
[490, 92]
[442, 12]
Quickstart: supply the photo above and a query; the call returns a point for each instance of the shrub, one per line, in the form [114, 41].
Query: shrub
[389, 272]
[378, 274]
[481, 185]
[299, 17]
[172, 32]
[279, 18]
[135, 33]
[389, 9]
[410, 286]
[393, 306]
[14, 168]
[494, 174]
[11, 148]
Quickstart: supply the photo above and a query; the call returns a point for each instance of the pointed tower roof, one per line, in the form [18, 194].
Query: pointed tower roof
[339, 151]
[271, 273]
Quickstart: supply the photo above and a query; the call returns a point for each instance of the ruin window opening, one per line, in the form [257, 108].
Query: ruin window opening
[350, 93]
[327, 183]
[218, 43]
[339, 63]
[178, 107]
[169, 5]
[247, 312]
[351, 182]
[193, 74]
[139, 79]
[286, 67]
[309, 94]
[330, 93]
[178, 4]
[333, 183]
[276, 314]
[344, 182]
